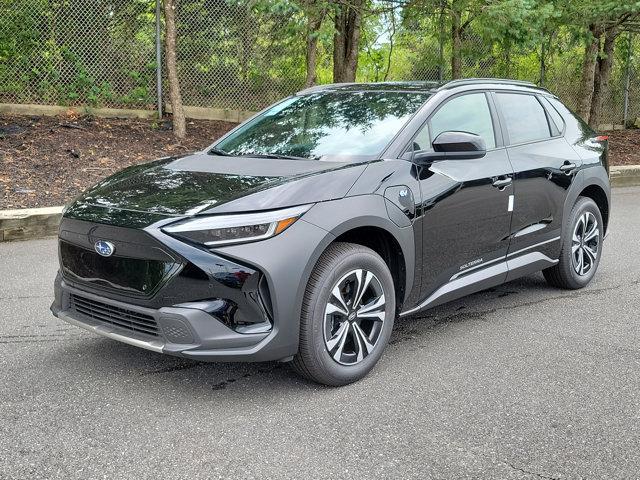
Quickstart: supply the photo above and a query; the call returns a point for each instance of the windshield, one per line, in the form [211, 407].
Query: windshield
[325, 125]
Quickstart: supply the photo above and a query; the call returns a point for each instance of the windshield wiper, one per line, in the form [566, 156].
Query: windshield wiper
[273, 155]
[222, 153]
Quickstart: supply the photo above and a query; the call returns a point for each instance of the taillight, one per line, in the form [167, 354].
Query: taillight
[602, 138]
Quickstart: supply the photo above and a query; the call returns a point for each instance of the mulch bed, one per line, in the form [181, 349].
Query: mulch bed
[624, 147]
[47, 161]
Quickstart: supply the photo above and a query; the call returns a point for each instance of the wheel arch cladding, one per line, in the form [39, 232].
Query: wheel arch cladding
[598, 195]
[384, 244]
[371, 228]
[592, 182]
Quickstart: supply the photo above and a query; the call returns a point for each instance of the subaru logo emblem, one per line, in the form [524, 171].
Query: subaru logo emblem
[104, 248]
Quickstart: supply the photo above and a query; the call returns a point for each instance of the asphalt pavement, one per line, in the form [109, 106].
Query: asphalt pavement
[522, 381]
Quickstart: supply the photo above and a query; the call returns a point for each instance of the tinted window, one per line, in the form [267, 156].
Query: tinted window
[557, 120]
[466, 113]
[524, 117]
[326, 124]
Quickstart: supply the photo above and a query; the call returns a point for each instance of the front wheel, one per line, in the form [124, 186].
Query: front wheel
[347, 315]
[581, 247]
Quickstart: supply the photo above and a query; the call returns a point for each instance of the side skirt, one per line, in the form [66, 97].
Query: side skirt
[506, 270]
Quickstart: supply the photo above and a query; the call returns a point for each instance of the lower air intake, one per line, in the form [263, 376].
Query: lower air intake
[116, 316]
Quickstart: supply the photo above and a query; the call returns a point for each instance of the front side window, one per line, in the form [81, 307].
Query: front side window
[466, 113]
[326, 126]
[525, 119]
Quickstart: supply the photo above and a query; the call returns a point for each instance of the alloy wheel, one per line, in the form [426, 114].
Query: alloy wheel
[354, 316]
[585, 243]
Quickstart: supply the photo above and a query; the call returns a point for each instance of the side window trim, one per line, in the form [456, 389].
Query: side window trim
[546, 104]
[507, 139]
[497, 130]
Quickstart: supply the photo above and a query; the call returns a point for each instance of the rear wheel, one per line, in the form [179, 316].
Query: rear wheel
[581, 247]
[347, 315]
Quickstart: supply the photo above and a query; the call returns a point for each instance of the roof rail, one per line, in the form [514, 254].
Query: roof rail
[319, 88]
[471, 81]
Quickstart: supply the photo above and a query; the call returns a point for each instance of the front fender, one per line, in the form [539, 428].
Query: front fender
[340, 216]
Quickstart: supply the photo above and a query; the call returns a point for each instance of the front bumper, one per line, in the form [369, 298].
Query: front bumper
[174, 320]
[186, 332]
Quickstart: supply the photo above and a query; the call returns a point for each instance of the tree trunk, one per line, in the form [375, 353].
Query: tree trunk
[346, 41]
[602, 77]
[314, 22]
[543, 64]
[177, 110]
[456, 45]
[588, 73]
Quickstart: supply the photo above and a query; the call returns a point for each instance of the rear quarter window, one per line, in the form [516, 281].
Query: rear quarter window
[555, 117]
[525, 119]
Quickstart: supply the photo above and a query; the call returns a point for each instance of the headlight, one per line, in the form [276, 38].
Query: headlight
[229, 229]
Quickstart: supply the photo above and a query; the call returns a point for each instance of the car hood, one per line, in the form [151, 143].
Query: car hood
[203, 184]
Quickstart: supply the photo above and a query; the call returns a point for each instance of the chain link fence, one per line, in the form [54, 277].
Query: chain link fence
[241, 55]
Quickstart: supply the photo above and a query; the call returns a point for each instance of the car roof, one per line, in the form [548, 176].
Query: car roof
[424, 86]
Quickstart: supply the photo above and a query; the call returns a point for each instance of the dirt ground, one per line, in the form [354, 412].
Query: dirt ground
[46, 161]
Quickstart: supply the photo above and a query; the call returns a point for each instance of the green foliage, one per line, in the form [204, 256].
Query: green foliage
[245, 54]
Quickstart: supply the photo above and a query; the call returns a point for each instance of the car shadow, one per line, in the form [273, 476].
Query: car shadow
[103, 356]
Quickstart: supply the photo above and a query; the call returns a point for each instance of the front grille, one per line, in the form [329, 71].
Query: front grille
[120, 317]
[126, 275]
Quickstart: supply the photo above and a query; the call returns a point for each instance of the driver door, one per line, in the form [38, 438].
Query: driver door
[466, 204]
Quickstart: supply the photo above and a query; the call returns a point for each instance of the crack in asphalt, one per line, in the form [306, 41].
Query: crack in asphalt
[37, 335]
[528, 472]
[24, 297]
[49, 340]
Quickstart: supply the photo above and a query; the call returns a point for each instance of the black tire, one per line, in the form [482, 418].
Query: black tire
[564, 274]
[313, 360]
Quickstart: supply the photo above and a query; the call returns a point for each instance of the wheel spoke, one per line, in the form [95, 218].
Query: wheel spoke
[593, 233]
[362, 287]
[336, 344]
[591, 254]
[364, 346]
[578, 260]
[332, 308]
[337, 294]
[375, 309]
[582, 265]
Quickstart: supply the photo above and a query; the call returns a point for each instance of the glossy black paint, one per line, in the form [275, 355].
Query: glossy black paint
[447, 218]
[154, 274]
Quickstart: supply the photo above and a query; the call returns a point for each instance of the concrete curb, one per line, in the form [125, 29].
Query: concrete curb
[28, 223]
[625, 176]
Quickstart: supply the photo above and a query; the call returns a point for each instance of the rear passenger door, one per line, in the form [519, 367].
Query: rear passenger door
[544, 165]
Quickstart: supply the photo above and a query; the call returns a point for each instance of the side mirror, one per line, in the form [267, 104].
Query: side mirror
[454, 146]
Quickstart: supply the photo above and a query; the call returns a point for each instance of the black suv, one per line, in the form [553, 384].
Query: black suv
[304, 232]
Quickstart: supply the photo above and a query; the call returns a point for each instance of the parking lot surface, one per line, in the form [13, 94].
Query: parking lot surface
[521, 381]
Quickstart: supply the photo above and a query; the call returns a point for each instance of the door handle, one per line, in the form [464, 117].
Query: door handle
[502, 183]
[568, 168]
